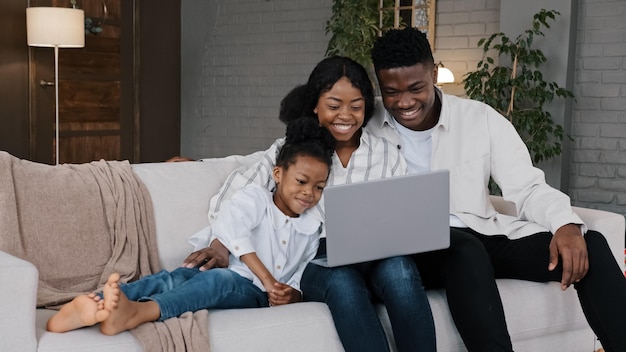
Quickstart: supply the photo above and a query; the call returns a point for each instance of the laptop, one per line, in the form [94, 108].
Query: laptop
[385, 218]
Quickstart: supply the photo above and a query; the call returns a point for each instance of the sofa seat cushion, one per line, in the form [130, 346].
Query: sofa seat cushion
[82, 340]
[532, 309]
[536, 312]
[303, 326]
[299, 327]
[180, 202]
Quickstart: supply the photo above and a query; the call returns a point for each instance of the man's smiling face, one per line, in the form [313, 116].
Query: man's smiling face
[409, 95]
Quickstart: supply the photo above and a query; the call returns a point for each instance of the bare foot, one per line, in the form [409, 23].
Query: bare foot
[84, 310]
[124, 313]
[111, 291]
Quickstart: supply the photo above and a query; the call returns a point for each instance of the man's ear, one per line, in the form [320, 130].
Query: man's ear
[435, 73]
[277, 174]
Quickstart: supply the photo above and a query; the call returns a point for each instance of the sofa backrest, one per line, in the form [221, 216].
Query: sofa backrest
[180, 193]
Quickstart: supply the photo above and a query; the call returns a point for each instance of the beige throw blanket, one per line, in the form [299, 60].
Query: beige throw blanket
[78, 223]
[189, 332]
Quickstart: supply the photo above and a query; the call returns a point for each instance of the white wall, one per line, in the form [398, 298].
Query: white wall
[240, 57]
[559, 47]
[598, 168]
[460, 25]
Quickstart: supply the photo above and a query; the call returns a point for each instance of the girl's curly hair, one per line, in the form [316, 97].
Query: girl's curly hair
[305, 137]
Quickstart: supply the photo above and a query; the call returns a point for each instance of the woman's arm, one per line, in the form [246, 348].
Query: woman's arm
[214, 256]
[259, 173]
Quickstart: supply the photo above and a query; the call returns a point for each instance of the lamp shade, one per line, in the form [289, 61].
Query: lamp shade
[444, 75]
[55, 26]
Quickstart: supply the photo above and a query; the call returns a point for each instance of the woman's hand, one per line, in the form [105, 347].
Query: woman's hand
[214, 256]
[178, 158]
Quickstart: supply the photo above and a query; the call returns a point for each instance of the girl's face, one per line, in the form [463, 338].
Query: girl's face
[299, 187]
[341, 110]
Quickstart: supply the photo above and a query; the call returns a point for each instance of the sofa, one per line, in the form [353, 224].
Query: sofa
[540, 316]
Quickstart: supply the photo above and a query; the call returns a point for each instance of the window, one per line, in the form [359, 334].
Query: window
[415, 13]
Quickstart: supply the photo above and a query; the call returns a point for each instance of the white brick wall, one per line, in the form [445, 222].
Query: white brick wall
[459, 26]
[254, 52]
[240, 57]
[598, 165]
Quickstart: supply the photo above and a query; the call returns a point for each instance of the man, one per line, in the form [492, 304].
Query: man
[547, 241]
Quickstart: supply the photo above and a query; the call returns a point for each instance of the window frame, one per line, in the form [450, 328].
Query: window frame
[427, 6]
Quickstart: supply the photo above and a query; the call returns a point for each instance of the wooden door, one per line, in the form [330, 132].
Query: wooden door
[93, 120]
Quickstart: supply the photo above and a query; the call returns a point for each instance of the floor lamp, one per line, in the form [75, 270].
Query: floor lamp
[55, 27]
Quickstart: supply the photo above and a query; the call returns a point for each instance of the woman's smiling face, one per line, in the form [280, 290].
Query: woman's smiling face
[341, 110]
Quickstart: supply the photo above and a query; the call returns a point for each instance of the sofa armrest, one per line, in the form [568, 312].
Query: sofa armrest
[611, 225]
[18, 294]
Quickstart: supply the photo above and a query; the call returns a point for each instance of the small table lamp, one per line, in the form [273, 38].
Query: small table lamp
[444, 75]
[56, 27]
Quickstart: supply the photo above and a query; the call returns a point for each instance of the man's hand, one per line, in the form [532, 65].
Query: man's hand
[283, 294]
[215, 256]
[569, 244]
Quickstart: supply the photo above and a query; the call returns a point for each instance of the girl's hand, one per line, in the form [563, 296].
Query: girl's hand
[269, 287]
[283, 294]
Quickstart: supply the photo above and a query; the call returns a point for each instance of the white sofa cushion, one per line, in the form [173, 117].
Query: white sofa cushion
[174, 187]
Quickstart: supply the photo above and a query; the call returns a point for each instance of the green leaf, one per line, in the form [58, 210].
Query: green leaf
[493, 84]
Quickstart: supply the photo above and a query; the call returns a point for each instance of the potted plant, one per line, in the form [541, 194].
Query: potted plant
[515, 87]
[354, 25]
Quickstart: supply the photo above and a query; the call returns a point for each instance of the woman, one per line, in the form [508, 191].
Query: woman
[340, 96]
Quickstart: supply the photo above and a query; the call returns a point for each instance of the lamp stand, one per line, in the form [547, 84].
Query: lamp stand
[56, 102]
[56, 27]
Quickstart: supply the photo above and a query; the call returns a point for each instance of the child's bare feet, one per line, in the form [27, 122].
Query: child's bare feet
[111, 291]
[84, 310]
[124, 313]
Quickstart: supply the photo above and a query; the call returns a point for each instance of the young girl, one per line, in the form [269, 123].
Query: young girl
[267, 260]
[339, 96]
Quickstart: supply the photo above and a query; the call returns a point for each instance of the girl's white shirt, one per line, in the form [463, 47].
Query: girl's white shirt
[250, 222]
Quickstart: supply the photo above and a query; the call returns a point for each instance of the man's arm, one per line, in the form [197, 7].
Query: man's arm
[538, 202]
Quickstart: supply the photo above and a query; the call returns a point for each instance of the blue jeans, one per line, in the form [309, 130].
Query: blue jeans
[351, 293]
[185, 289]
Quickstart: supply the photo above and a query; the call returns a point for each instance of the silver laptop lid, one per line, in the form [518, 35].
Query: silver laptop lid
[388, 217]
